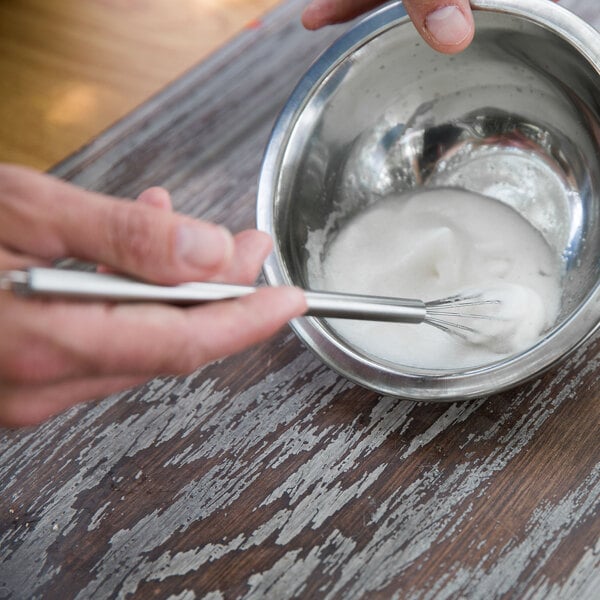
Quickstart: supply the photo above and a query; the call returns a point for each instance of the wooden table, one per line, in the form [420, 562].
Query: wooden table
[70, 69]
[266, 475]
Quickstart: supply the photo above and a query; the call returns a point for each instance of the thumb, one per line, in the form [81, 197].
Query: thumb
[51, 219]
[448, 28]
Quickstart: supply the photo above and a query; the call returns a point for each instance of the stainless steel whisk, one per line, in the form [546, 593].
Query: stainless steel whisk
[83, 285]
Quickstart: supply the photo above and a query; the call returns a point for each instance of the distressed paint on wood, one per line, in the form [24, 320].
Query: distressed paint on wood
[267, 475]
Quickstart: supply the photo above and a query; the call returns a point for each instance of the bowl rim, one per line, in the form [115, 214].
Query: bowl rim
[411, 382]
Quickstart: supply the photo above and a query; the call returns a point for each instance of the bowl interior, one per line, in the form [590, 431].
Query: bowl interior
[516, 117]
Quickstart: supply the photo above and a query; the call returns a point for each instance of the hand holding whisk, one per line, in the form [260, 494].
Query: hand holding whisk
[452, 315]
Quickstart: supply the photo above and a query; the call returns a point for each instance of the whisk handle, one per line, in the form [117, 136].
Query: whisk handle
[81, 285]
[368, 308]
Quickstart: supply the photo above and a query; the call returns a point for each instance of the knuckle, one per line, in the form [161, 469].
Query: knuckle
[182, 361]
[19, 183]
[188, 361]
[131, 235]
[28, 354]
[191, 352]
[27, 199]
[12, 185]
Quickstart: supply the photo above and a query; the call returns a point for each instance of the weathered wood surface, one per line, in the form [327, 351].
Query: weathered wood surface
[266, 475]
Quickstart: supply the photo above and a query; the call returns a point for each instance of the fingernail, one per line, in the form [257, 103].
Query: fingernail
[203, 247]
[297, 298]
[316, 13]
[155, 196]
[448, 25]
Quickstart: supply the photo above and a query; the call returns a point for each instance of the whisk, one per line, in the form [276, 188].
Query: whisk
[445, 314]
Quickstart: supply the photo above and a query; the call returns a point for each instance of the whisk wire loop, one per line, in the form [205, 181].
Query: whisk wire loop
[439, 311]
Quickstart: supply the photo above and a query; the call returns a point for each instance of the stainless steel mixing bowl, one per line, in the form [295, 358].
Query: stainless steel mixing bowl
[516, 116]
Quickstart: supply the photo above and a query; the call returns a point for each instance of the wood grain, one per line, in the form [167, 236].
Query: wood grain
[70, 69]
[266, 475]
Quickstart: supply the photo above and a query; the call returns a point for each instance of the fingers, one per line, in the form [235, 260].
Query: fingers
[157, 197]
[14, 260]
[44, 217]
[132, 238]
[171, 346]
[320, 13]
[230, 327]
[53, 341]
[251, 249]
[30, 405]
[54, 354]
[446, 26]
[195, 336]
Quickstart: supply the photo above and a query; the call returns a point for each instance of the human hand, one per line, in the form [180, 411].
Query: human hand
[447, 26]
[54, 353]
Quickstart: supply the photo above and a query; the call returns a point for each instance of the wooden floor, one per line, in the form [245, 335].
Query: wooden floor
[71, 68]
